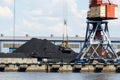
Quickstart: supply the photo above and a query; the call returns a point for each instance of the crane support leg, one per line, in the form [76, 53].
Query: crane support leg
[97, 43]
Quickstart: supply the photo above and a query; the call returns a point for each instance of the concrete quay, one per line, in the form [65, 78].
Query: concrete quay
[32, 65]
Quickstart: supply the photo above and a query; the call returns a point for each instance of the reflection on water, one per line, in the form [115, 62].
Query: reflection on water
[58, 76]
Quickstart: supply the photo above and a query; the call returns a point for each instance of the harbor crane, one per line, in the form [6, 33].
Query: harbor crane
[97, 43]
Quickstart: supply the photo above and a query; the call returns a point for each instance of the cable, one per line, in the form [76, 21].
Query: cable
[14, 21]
[65, 15]
[109, 2]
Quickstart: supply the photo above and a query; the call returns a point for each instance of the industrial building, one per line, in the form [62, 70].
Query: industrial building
[10, 43]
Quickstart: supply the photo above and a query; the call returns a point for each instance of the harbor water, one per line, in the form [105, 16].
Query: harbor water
[58, 76]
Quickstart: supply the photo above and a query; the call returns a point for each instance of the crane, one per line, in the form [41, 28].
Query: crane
[65, 47]
[97, 43]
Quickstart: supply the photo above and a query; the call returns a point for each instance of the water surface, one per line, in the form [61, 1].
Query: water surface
[57, 76]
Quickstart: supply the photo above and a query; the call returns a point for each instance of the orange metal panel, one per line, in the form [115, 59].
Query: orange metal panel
[98, 12]
[95, 2]
[98, 1]
[110, 11]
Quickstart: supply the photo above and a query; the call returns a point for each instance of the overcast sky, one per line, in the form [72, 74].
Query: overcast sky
[46, 17]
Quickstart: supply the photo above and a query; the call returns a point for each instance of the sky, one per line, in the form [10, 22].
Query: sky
[46, 17]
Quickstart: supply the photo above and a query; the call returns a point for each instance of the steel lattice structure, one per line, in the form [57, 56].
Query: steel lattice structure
[97, 43]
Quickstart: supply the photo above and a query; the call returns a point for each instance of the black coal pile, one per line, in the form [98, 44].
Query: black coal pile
[42, 49]
[14, 55]
[38, 46]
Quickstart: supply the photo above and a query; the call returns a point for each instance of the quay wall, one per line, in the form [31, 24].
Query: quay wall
[33, 65]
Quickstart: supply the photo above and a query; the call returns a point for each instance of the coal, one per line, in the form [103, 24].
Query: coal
[41, 49]
[38, 46]
[13, 55]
